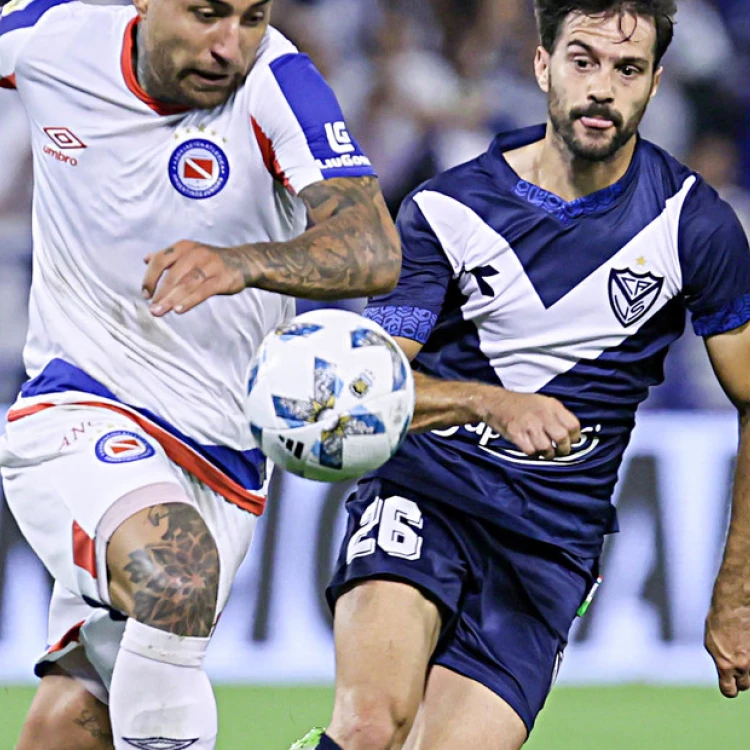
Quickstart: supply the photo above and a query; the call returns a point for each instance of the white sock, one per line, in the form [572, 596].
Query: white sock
[160, 696]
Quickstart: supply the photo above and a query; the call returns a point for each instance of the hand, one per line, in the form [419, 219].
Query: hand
[188, 273]
[728, 641]
[538, 425]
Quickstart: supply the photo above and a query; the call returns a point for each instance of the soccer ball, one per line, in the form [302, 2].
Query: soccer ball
[330, 395]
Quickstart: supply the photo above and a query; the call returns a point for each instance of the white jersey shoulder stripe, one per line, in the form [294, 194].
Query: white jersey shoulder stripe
[527, 343]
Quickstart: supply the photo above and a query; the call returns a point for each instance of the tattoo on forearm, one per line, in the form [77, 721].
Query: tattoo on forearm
[351, 250]
[92, 725]
[175, 581]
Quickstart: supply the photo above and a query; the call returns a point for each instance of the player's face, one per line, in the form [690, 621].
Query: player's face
[198, 52]
[599, 80]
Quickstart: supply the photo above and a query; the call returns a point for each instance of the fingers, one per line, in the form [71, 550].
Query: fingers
[554, 435]
[186, 274]
[183, 280]
[190, 292]
[727, 683]
[158, 263]
[742, 679]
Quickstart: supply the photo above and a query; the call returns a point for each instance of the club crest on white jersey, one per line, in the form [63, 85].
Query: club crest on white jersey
[198, 169]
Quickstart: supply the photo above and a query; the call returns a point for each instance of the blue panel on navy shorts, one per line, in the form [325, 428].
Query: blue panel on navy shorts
[507, 601]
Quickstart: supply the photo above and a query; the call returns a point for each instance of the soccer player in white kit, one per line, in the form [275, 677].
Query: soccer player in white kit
[127, 461]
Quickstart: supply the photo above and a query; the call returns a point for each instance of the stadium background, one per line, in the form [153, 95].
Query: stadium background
[424, 85]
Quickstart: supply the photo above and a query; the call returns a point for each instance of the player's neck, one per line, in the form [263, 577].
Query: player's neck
[140, 67]
[550, 165]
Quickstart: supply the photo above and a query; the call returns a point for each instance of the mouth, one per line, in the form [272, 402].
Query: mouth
[212, 80]
[597, 123]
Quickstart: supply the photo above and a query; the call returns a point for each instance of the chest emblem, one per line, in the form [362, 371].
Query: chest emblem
[632, 294]
[198, 169]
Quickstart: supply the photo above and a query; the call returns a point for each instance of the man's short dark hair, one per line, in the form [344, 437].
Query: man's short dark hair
[551, 14]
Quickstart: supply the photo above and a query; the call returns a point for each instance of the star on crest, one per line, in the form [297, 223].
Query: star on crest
[641, 261]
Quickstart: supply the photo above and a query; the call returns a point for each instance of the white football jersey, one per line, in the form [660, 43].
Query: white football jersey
[119, 175]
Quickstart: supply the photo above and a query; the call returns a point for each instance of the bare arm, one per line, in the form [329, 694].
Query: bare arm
[536, 424]
[728, 622]
[351, 249]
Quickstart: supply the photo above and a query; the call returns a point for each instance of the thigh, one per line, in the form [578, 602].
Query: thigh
[63, 469]
[385, 633]
[65, 716]
[231, 527]
[398, 577]
[460, 712]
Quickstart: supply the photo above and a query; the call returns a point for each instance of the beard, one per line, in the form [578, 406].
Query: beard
[166, 82]
[603, 148]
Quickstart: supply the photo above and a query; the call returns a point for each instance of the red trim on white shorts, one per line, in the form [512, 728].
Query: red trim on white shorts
[84, 550]
[183, 455]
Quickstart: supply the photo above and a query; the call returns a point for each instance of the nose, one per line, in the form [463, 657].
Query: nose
[227, 47]
[600, 88]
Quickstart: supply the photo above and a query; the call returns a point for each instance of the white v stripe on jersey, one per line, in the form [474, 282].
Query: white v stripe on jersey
[528, 344]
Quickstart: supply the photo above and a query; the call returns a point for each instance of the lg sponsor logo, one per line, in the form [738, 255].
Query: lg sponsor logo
[338, 138]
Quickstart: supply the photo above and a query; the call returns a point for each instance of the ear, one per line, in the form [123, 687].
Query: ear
[657, 82]
[541, 68]
[142, 7]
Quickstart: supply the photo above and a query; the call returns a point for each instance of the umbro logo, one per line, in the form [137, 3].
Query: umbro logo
[159, 743]
[64, 139]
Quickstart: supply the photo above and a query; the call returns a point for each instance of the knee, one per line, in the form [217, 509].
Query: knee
[368, 721]
[164, 570]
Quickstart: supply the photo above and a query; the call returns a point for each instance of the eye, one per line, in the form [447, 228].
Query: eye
[582, 63]
[630, 71]
[205, 14]
[255, 19]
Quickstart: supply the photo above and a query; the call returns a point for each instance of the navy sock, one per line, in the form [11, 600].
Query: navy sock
[326, 743]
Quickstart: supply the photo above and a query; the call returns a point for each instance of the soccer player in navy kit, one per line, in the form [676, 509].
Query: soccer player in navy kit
[541, 286]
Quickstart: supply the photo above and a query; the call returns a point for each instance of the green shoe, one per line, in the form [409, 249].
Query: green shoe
[310, 740]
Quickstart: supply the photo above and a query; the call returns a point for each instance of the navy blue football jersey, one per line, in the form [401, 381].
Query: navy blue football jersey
[505, 283]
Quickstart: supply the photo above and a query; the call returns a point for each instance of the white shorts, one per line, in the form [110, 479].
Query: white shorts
[64, 469]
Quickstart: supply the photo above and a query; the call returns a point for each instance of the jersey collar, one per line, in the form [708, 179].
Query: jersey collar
[131, 80]
[564, 211]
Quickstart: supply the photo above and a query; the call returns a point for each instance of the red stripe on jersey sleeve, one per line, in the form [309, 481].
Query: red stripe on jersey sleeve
[9, 82]
[269, 156]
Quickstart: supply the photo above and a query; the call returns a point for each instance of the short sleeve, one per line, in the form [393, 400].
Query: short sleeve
[715, 261]
[17, 21]
[412, 308]
[300, 127]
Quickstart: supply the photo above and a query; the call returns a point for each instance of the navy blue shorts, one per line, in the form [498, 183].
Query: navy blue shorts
[507, 602]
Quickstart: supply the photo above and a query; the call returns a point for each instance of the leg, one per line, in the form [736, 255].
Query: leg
[163, 567]
[64, 711]
[385, 634]
[459, 712]
[164, 570]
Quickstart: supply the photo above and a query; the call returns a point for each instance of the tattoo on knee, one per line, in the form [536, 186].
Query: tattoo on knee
[174, 582]
[91, 724]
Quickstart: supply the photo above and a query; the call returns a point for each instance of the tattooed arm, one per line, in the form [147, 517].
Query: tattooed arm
[351, 249]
